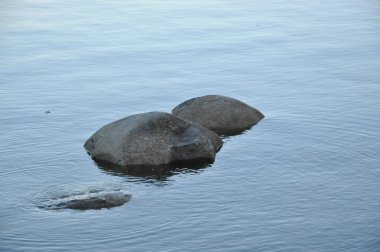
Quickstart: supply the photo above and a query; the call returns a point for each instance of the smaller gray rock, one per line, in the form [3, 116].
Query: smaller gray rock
[221, 114]
[98, 202]
[88, 201]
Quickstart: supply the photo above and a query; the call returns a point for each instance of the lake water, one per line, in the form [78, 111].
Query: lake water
[306, 178]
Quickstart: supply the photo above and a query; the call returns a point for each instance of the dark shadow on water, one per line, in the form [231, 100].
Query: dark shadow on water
[230, 134]
[226, 135]
[156, 173]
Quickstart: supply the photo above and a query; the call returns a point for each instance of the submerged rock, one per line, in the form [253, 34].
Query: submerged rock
[221, 114]
[97, 202]
[152, 139]
[88, 201]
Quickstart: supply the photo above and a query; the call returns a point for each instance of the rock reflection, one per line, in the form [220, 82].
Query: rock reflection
[153, 174]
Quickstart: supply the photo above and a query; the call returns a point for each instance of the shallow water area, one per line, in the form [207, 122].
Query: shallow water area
[305, 178]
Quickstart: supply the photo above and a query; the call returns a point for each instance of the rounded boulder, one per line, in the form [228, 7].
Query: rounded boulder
[221, 114]
[152, 139]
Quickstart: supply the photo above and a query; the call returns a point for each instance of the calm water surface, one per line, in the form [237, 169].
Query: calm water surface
[306, 178]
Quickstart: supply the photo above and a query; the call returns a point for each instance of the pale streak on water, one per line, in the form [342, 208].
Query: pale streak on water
[305, 179]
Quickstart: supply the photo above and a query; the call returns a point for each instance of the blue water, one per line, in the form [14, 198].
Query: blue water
[306, 178]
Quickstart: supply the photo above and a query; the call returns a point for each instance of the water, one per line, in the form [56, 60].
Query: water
[306, 178]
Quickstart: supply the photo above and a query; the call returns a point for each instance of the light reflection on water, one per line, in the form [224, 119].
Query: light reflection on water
[306, 178]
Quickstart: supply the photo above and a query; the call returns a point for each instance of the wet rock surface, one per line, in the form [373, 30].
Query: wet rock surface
[221, 114]
[87, 201]
[151, 140]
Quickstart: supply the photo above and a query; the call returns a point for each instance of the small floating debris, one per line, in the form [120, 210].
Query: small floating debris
[47, 112]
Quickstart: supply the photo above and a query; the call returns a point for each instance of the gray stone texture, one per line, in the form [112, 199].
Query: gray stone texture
[152, 139]
[221, 114]
[97, 202]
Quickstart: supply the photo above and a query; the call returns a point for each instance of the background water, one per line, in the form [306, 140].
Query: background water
[306, 178]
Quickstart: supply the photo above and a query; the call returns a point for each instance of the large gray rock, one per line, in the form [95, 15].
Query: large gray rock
[152, 139]
[221, 114]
